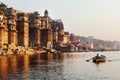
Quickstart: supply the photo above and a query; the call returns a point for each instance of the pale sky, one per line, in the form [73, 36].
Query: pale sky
[98, 18]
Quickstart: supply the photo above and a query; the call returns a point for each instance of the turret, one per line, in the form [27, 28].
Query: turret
[46, 13]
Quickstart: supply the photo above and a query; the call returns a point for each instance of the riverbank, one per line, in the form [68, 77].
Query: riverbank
[13, 50]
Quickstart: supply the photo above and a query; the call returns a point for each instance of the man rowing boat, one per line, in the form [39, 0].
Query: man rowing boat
[98, 58]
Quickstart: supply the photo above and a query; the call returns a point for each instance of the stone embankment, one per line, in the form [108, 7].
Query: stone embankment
[20, 50]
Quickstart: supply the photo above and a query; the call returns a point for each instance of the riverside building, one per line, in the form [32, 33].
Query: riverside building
[46, 30]
[11, 24]
[23, 29]
[34, 28]
[3, 30]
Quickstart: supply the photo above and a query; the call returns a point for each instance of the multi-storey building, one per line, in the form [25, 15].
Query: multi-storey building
[55, 27]
[12, 32]
[3, 29]
[23, 29]
[65, 38]
[60, 32]
[34, 28]
[46, 30]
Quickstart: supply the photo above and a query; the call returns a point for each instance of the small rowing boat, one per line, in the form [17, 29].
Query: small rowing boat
[100, 58]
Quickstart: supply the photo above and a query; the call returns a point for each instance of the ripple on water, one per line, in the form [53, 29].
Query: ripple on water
[62, 67]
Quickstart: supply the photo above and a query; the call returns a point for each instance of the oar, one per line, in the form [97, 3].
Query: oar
[88, 60]
[109, 60]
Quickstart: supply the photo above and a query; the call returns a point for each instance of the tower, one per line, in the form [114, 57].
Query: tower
[34, 29]
[46, 13]
[46, 30]
[12, 31]
[3, 29]
[23, 31]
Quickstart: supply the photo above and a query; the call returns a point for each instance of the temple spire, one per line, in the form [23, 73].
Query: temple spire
[46, 13]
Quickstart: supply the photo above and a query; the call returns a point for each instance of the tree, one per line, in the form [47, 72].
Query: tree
[3, 7]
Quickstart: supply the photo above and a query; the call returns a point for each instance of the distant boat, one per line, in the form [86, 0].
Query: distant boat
[101, 58]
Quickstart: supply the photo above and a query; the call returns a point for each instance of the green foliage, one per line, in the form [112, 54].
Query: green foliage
[3, 7]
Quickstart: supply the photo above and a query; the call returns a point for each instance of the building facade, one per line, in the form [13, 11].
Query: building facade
[34, 28]
[23, 29]
[3, 29]
[12, 31]
[46, 30]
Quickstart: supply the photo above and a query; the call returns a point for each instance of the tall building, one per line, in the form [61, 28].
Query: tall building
[55, 26]
[61, 32]
[46, 30]
[59, 35]
[3, 29]
[12, 31]
[23, 29]
[34, 28]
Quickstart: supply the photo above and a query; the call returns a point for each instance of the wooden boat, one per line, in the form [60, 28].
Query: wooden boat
[101, 58]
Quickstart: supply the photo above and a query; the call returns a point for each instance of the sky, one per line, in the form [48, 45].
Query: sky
[97, 18]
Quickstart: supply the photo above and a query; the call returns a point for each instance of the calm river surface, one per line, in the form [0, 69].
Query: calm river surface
[63, 66]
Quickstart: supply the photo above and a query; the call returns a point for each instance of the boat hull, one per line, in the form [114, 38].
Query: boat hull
[99, 60]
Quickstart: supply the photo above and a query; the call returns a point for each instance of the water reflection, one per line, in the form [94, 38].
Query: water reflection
[62, 66]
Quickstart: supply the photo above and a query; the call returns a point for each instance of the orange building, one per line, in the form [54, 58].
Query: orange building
[12, 32]
[34, 28]
[46, 30]
[23, 29]
[3, 29]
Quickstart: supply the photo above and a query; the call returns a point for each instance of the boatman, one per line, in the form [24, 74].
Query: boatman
[97, 56]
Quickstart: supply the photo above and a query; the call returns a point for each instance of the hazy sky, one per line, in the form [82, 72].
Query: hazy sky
[98, 18]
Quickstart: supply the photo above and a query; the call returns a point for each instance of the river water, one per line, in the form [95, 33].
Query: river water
[62, 66]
